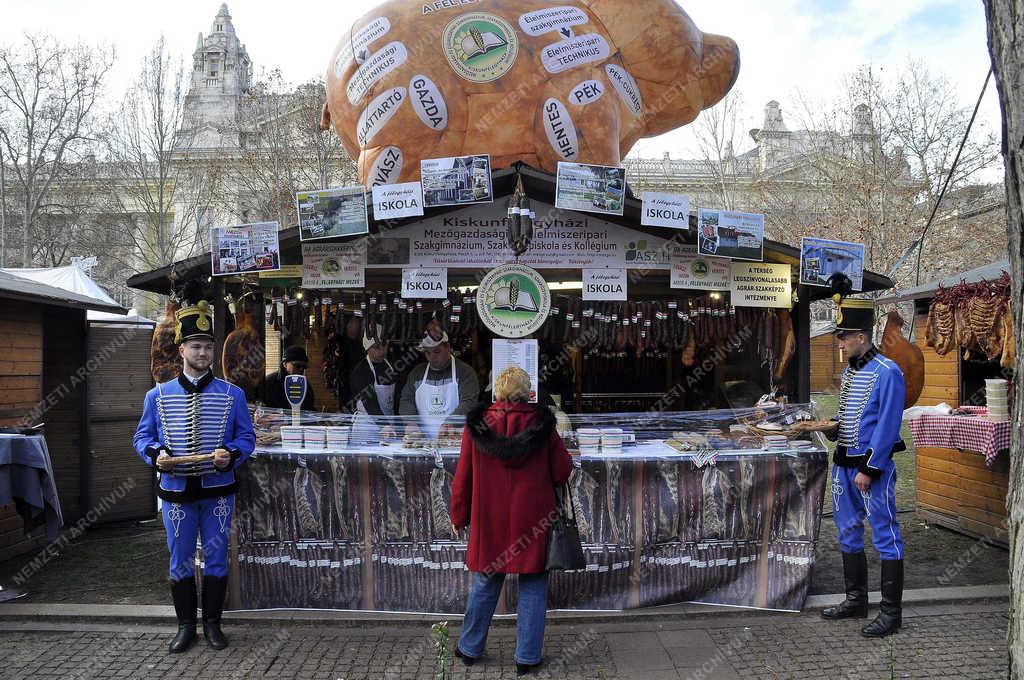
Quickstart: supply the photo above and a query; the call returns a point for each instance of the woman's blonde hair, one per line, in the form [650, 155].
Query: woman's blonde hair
[512, 384]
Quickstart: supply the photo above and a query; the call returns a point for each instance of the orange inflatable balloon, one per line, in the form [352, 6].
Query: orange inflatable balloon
[524, 80]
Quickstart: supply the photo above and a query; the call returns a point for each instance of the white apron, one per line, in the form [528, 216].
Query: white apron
[385, 393]
[434, 403]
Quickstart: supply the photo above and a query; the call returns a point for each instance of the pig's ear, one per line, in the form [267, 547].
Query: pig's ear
[325, 118]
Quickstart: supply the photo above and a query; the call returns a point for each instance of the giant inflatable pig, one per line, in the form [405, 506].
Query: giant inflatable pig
[526, 80]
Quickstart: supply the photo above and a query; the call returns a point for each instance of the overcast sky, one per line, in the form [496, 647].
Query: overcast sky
[785, 44]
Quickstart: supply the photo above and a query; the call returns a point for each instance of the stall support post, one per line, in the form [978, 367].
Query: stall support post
[638, 575]
[803, 345]
[366, 506]
[219, 318]
[764, 566]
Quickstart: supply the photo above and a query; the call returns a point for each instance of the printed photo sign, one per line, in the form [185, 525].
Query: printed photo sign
[727, 233]
[456, 181]
[245, 248]
[821, 258]
[329, 213]
[590, 188]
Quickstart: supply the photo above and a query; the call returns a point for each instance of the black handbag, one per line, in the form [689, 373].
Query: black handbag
[565, 551]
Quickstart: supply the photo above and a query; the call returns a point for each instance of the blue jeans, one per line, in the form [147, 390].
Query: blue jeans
[531, 614]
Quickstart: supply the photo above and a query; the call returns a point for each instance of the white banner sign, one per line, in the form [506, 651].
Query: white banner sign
[665, 210]
[424, 283]
[521, 353]
[604, 284]
[693, 272]
[391, 201]
[761, 284]
[334, 265]
[474, 237]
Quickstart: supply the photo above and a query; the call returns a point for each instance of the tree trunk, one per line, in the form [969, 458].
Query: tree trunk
[1006, 44]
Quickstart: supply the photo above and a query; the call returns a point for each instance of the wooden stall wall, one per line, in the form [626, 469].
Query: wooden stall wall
[941, 374]
[21, 388]
[826, 365]
[118, 481]
[63, 342]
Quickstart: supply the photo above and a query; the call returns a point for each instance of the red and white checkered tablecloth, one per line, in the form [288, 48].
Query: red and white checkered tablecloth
[966, 433]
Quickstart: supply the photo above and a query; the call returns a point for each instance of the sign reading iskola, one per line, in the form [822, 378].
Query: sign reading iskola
[424, 283]
[665, 210]
[391, 201]
[605, 284]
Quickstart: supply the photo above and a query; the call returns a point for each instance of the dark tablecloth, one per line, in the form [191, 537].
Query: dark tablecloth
[26, 478]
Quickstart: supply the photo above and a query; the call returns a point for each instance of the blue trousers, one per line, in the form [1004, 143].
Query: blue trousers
[878, 505]
[208, 519]
[531, 614]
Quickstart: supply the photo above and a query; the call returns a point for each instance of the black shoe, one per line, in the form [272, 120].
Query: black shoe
[855, 574]
[215, 589]
[466, 660]
[527, 668]
[890, 611]
[183, 593]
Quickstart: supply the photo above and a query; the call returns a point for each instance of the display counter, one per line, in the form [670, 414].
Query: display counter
[720, 507]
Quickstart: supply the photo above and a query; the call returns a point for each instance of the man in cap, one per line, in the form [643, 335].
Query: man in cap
[196, 415]
[864, 475]
[440, 387]
[271, 389]
[374, 380]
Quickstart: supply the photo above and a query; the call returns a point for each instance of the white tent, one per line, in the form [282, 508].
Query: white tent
[74, 280]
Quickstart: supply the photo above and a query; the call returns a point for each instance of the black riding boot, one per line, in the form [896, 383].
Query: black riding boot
[855, 573]
[183, 592]
[890, 614]
[215, 588]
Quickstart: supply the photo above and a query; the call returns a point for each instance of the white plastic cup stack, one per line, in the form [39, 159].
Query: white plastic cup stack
[611, 440]
[996, 400]
[291, 437]
[589, 439]
[337, 437]
[314, 438]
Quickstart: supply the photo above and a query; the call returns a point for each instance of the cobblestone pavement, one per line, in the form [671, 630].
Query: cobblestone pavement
[961, 641]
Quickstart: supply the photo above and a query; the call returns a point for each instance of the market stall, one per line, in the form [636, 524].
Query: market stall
[964, 328]
[492, 217]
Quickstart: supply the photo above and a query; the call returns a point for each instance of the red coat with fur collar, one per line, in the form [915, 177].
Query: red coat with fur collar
[511, 460]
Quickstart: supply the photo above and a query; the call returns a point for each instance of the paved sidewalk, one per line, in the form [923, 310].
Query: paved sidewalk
[938, 641]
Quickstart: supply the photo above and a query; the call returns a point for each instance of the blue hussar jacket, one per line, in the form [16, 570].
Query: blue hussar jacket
[180, 419]
[870, 413]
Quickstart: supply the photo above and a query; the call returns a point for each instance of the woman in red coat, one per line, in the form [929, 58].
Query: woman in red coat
[512, 458]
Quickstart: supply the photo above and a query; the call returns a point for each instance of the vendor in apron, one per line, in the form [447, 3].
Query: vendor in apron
[374, 379]
[440, 387]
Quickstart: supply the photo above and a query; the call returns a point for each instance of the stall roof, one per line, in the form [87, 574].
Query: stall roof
[538, 185]
[987, 272]
[17, 288]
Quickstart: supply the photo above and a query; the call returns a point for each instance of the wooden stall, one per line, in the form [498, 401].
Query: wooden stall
[956, 489]
[826, 364]
[316, 530]
[42, 346]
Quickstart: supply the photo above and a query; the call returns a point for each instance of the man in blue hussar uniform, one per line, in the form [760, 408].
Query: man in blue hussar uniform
[193, 415]
[864, 475]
